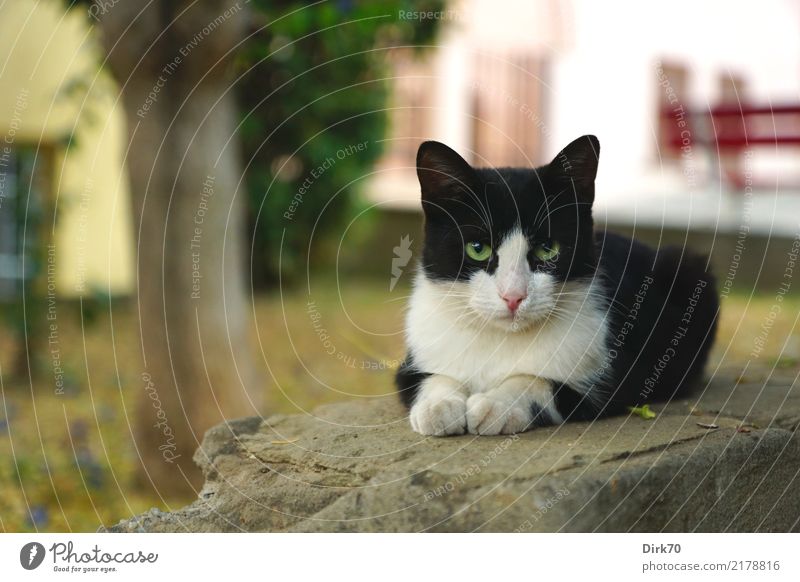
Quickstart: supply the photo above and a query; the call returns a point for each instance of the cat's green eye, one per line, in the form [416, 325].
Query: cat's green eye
[547, 251]
[478, 251]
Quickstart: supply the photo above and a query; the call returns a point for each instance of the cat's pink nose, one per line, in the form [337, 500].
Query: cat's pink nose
[513, 300]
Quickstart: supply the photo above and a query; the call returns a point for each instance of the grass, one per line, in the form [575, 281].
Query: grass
[66, 461]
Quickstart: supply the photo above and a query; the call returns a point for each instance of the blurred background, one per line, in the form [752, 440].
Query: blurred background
[209, 209]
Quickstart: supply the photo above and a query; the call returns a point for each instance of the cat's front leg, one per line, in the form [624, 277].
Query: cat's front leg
[440, 407]
[516, 405]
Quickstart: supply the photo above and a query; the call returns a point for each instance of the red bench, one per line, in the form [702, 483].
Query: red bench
[725, 131]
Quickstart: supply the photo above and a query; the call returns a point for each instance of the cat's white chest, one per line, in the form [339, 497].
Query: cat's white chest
[481, 357]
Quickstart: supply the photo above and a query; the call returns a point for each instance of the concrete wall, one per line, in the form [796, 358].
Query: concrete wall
[743, 263]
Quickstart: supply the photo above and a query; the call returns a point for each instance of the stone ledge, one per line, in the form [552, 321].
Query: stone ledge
[357, 466]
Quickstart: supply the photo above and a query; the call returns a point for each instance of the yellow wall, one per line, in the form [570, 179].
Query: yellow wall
[49, 82]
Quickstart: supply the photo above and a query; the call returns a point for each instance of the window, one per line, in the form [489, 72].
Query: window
[24, 187]
[507, 116]
[672, 108]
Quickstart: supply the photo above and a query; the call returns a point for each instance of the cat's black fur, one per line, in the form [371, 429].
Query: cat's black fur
[662, 303]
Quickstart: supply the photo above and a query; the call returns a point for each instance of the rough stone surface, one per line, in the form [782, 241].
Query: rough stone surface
[357, 466]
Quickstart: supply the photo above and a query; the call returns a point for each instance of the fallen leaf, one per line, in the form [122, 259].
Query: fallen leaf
[643, 411]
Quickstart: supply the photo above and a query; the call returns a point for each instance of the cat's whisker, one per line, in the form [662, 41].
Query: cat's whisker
[605, 302]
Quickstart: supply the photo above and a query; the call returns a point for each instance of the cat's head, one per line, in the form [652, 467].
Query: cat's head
[511, 245]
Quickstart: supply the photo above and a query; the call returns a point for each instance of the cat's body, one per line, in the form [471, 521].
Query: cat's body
[523, 316]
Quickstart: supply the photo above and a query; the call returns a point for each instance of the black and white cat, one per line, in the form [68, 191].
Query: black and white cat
[522, 315]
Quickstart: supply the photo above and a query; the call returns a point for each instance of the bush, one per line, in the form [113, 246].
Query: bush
[312, 97]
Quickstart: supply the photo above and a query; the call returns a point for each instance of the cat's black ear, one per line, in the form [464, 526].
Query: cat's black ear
[576, 164]
[443, 174]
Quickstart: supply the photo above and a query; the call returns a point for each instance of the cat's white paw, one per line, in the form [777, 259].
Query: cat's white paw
[439, 416]
[488, 415]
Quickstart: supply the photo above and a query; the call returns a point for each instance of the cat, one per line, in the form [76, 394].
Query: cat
[522, 315]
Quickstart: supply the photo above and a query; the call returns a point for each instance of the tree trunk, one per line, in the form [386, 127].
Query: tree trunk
[171, 63]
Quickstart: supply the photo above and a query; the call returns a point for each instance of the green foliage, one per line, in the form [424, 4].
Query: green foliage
[313, 88]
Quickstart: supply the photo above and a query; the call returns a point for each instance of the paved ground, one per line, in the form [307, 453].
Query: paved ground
[356, 466]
